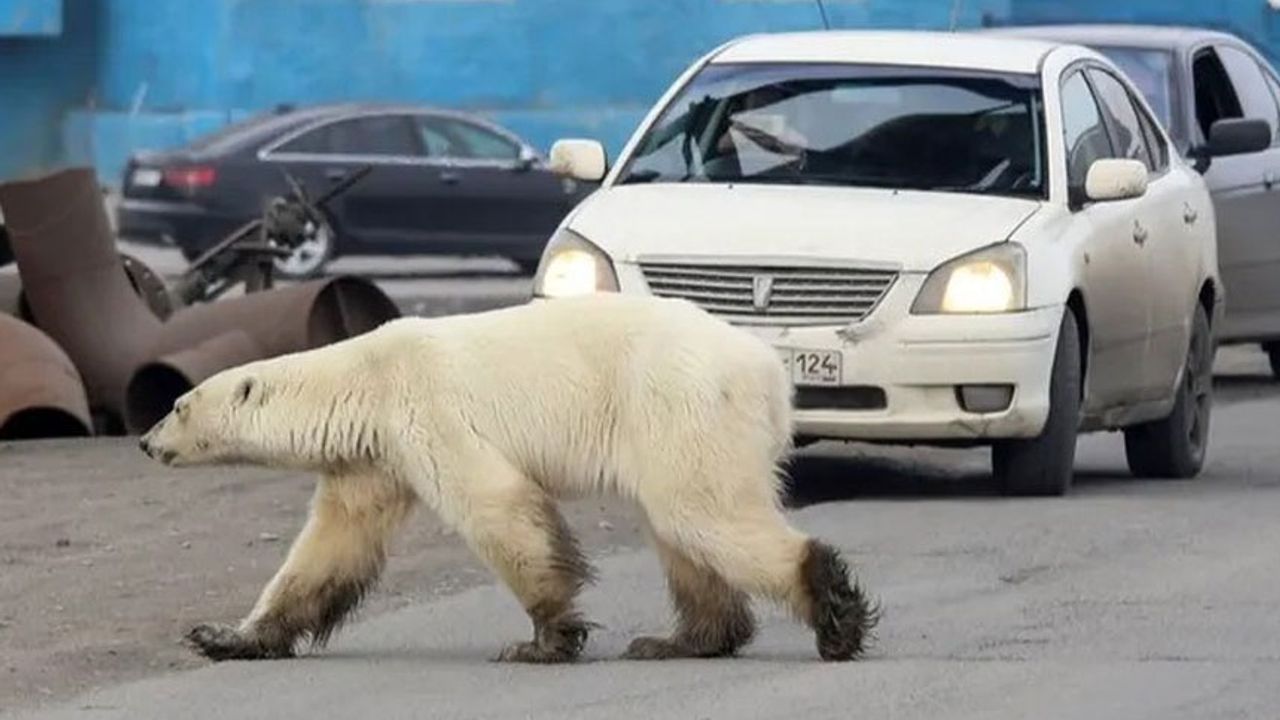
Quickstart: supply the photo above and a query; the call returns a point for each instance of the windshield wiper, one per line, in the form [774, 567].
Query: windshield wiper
[640, 176]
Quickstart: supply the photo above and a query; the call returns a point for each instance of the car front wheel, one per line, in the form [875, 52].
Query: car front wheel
[1175, 446]
[1044, 465]
[308, 259]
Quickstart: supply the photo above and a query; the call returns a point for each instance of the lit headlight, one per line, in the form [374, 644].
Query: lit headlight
[991, 280]
[571, 265]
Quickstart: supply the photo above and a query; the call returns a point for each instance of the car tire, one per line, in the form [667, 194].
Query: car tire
[1175, 446]
[1045, 464]
[1273, 353]
[309, 259]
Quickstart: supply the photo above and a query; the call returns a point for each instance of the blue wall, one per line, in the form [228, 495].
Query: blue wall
[118, 75]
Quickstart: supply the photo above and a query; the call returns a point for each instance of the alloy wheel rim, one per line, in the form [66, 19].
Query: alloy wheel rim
[309, 255]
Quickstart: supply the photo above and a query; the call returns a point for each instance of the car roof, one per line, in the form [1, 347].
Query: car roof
[255, 130]
[893, 47]
[1168, 37]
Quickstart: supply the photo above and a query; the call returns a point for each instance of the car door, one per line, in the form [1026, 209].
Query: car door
[1229, 84]
[389, 208]
[500, 199]
[1115, 275]
[1171, 250]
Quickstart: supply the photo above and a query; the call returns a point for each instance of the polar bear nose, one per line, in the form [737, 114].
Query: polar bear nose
[144, 445]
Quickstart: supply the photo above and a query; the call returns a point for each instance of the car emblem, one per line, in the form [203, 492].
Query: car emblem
[761, 291]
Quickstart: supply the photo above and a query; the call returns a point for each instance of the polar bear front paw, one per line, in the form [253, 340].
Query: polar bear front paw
[223, 642]
[557, 642]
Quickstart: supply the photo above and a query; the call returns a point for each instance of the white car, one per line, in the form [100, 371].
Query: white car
[950, 239]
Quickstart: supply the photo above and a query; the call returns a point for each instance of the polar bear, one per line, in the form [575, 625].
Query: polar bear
[489, 418]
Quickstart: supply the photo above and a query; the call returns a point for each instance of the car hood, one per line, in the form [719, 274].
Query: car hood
[909, 230]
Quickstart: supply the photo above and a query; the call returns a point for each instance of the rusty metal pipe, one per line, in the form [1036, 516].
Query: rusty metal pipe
[78, 291]
[40, 390]
[74, 283]
[258, 325]
[157, 384]
[11, 300]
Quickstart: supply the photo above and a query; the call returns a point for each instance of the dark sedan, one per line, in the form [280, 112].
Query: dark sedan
[1220, 100]
[442, 183]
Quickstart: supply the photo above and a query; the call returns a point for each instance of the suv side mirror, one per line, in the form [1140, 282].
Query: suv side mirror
[1239, 136]
[584, 160]
[1115, 179]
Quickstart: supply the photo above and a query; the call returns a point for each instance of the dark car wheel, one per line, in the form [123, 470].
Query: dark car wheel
[1044, 465]
[1175, 446]
[1273, 352]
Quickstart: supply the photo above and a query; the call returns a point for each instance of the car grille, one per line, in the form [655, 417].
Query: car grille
[773, 295]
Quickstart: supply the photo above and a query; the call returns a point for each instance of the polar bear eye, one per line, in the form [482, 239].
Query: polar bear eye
[244, 390]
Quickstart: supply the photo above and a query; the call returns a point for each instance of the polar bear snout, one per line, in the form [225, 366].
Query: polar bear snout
[153, 451]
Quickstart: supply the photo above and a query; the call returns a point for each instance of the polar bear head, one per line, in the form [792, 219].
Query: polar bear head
[227, 418]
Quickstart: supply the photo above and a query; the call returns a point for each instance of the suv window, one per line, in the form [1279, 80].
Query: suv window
[382, 135]
[1083, 133]
[1156, 144]
[1215, 98]
[1127, 137]
[1251, 87]
[447, 137]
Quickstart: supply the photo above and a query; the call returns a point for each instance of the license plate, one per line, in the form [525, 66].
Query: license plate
[814, 367]
[145, 177]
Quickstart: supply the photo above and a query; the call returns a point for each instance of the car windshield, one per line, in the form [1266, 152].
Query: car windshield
[1150, 71]
[850, 125]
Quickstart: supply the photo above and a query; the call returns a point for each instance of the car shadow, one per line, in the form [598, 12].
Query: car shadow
[813, 478]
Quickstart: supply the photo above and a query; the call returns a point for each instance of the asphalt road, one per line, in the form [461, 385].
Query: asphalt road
[1128, 599]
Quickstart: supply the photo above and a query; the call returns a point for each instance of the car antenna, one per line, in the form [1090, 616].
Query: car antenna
[822, 10]
[955, 13]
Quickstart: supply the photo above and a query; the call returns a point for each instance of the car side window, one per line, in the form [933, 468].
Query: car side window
[1251, 88]
[382, 135]
[1156, 144]
[1215, 97]
[310, 142]
[1083, 132]
[1127, 136]
[464, 140]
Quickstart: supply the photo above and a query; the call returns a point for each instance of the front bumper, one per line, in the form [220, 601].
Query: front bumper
[915, 364]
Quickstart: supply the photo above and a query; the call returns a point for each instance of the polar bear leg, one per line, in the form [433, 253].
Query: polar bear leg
[713, 618]
[513, 525]
[745, 539]
[334, 560]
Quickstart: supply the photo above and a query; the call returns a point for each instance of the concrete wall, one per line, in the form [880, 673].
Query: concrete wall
[120, 75]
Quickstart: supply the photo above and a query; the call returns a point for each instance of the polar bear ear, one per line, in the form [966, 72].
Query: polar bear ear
[246, 390]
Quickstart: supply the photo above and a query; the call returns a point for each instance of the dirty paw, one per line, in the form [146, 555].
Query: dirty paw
[223, 642]
[532, 652]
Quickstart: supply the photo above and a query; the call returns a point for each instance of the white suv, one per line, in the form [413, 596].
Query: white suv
[950, 239]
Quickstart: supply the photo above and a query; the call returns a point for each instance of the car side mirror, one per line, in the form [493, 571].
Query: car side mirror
[584, 160]
[1115, 179]
[1239, 136]
[528, 158]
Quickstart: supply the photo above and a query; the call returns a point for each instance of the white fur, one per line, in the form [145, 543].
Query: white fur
[484, 416]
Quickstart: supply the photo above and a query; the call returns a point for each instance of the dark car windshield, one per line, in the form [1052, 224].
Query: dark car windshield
[1150, 71]
[889, 127]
